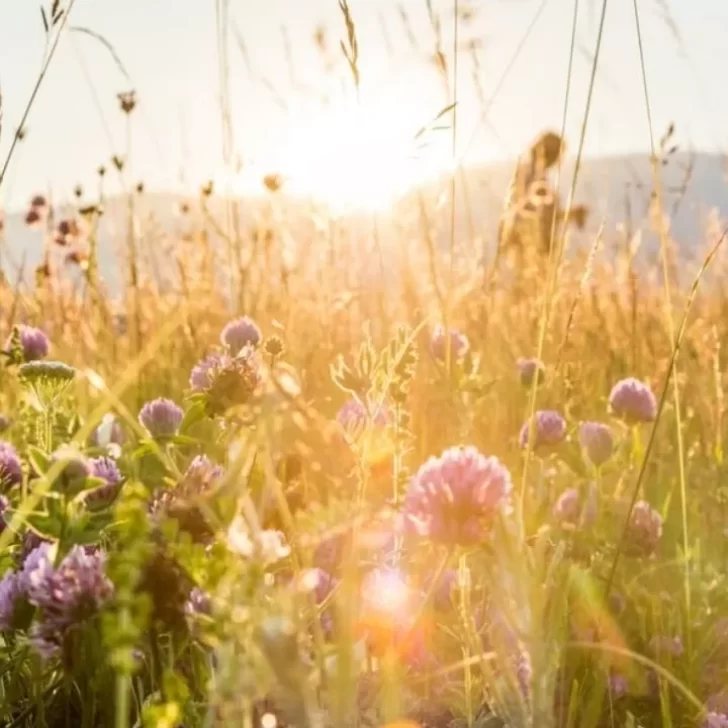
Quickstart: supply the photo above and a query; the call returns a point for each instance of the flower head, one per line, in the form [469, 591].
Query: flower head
[201, 376]
[596, 441]
[34, 343]
[11, 596]
[161, 418]
[74, 469]
[240, 333]
[11, 471]
[234, 382]
[618, 685]
[454, 498]
[200, 475]
[67, 596]
[529, 369]
[266, 546]
[567, 508]
[354, 415]
[633, 401]
[47, 373]
[549, 430]
[107, 470]
[645, 528]
[715, 720]
[458, 342]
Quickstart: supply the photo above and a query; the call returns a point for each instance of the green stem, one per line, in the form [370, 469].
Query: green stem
[464, 589]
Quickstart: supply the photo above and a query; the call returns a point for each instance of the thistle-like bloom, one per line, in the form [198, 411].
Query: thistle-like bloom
[454, 499]
[202, 374]
[34, 343]
[596, 441]
[161, 418]
[645, 529]
[11, 471]
[567, 508]
[549, 430]
[529, 369]
[240, 333]
[106, 469]
[234, 382]
[633, 401]
[67, 596]
[459, 344]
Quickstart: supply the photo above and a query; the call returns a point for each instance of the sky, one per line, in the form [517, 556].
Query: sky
[294, 110]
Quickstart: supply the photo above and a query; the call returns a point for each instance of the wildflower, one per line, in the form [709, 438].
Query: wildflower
[529, 370]
[199, 602]
[458, 342]
[74, 471]
[106, 469]
[67, 596]
[596, 441]
[127, 101]
[11, 596]
[354, 415]
[661, 644]
[34, 343]
[644, 529]
[161, 418]
[633, 401]
[454, 498]
[4, 507]
[11, 470]
[618, 685]
[549, 430]
[67, 231]
[567, 508]
[273, 346]
[202, 374]
[50, 373]
[715, 720]
[33, 217]
[266, 546]
[240, 333]
[318, 581]
[200, 475]
[234, 382]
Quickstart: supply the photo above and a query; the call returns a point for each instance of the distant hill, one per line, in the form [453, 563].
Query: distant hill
[614, 188]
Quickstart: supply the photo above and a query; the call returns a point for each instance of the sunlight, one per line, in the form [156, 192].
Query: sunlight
[356, 156]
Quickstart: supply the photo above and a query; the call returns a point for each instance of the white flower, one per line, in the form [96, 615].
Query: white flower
[268, 546]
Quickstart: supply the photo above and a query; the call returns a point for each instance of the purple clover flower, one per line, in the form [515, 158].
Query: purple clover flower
[11, 597]
[353, 415]
[459, 344]
[597, 442]
[618, 685]
[664, 645]
[33, 342]
[644, 529]
[529, 369]
[4, 507]
[633, 401]
[161, 418]
[454, 498]
[567, 508]
[106, 469]
[11, 471]
[199, 602]
[67, 596]
[240, 333]
[715, 720]
[549, 430]
[202, 374]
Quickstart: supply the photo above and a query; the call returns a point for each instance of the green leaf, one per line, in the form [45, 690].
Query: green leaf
[195, 414]
[39, 460]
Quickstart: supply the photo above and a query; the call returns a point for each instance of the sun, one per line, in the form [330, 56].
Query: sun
[356, 156]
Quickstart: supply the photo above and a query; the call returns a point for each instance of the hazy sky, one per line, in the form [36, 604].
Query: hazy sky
[170, 50]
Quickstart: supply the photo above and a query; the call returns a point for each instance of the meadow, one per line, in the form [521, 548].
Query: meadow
[314, 484]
